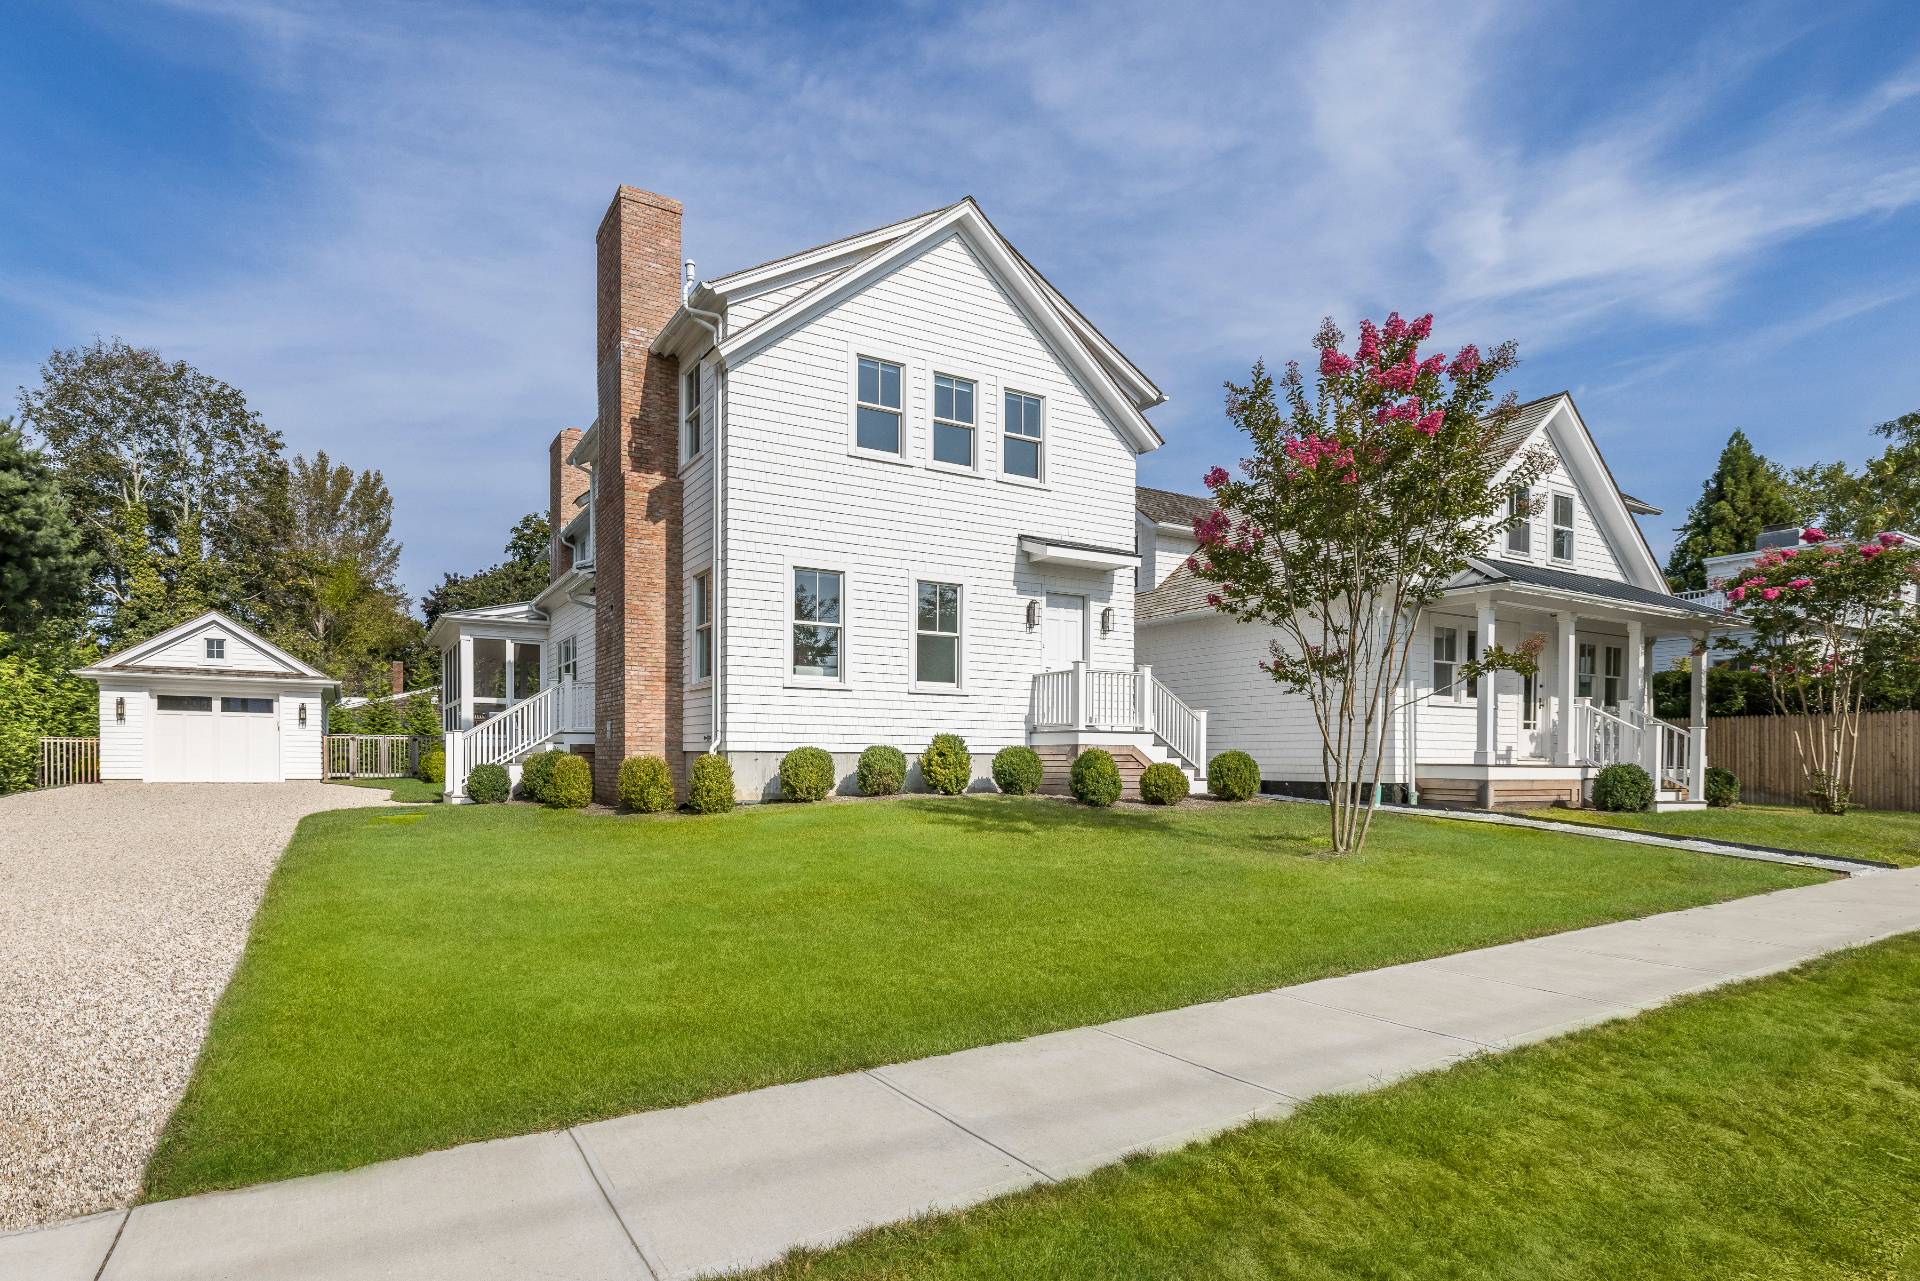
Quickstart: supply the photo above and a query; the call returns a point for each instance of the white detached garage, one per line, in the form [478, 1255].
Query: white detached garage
[209, 702]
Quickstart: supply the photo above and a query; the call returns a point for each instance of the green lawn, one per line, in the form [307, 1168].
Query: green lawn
[1886, 836]
[408, 789]
[425, 977]
[1770, 1130]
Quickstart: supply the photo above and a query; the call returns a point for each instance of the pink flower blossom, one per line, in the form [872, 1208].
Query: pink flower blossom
[1891, 539]
[1466, 361]
[1755, 582]
[1213, 599]
[1396, 328]
[1800, 584]
[1215, 477]
[1421, 327]
[1433, 364]
[1398, 377]
[1770, 593]
[1813, 534]
[1788, 553]
[1369, 341]
[1870, 550]
[1211, 529]
[1430, 425]
[1333, 364]
[1737, 594]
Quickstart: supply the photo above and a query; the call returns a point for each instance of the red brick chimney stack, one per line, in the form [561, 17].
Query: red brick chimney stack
[565, 483]
[637, 532]
[397, 676]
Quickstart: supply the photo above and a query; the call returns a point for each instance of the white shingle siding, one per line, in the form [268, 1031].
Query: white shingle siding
[797, 497]
[1592, 554]
[123, 746]
[191, 651]
[300, 744]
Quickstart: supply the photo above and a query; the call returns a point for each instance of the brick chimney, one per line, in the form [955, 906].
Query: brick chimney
[565, 483]
[637, 530]
[397, 677]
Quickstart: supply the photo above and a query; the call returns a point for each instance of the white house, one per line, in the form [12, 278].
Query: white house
[209, 701]
[866, 493]
[1579, 574]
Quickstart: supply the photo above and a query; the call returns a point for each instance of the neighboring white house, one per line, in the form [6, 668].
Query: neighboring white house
[209, 701]
[866, 493]
[1579, 574]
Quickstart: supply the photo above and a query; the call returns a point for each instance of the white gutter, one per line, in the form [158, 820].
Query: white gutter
[715, 323]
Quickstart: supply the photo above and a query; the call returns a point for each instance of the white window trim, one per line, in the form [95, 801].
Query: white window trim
[908, 369]
[914, 684]
[1619, 679]
[1451, 689]
[689, 457]
[566, 659]
[1554, 527]
[986, 399]
[210, 643]
[1530, 700]
[1525, 527]
[789, 678]
[693, 678]
[1582, 649]
[1031, 482]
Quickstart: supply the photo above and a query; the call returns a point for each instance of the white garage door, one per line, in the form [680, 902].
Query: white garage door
[215, 738]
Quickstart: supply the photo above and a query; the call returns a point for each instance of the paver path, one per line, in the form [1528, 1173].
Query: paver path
[123, 909]
[740, 1180]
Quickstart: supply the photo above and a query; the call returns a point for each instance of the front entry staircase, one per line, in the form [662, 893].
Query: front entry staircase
[531, 725]
[1128, 711]
[1665, 750]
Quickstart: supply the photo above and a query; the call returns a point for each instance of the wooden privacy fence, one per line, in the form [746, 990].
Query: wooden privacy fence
[371, 755]
[1760, 750]
[69, 760]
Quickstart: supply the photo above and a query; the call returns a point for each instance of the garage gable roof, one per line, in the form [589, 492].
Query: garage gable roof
[135, 657]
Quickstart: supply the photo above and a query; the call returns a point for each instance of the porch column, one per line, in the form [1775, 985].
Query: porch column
[1697, 726]
[1486, 747]
[1081, 707]
[1564, 658]
[1636, 670]
[466, 682]
[1143, 699]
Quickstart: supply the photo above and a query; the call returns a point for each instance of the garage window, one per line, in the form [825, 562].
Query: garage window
[216, 647]
[186, 702]
[250, 706]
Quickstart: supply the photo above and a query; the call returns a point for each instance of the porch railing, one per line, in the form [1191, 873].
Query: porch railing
[1118, 698]
[1602, 738]
[64, 761]
[369, 755]
[1673, 756]
[501, 739]
[576, 706]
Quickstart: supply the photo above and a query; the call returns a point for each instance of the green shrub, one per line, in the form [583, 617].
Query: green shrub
[488, 784]
[341, 720]
[38, 699]
[1096, 779]
[380, 718]
[1622, 789]
[710, 788]
[433, 765]
[645, 784]
[421, 718]
[1723, 788]
[536, 772]
[1017, 771]
[1233, 776]
[1163, 784]
[570, 786]
[947, 765]
[882, 770]
[806, 774]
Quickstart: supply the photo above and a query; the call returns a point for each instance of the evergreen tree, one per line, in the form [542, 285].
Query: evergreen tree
[1745, 494]
[522, 576]
[43, 570]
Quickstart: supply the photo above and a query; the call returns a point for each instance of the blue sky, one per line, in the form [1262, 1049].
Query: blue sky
[377, 219]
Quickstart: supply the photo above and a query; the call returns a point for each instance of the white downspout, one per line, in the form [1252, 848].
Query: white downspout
[715, 324]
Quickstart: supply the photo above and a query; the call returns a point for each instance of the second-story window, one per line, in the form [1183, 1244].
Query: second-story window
[690, 415]
[877, 407]
[1020, 442]
[953, 420]
[702, 627]
[1563, 526]
[1520, 537]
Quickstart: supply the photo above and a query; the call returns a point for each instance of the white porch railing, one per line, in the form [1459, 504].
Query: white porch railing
[503, 738]
[1602, 738]
[1671, 761]
[1116, 698]
[576, 706]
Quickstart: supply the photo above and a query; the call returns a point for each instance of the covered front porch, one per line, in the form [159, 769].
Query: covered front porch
[1508, 740]
[503, 692]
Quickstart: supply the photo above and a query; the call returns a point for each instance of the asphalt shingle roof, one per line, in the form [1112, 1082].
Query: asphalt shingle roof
[1606, 588]
[1164, 507]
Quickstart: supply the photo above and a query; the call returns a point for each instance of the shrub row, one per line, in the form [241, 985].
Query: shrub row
[558, 780]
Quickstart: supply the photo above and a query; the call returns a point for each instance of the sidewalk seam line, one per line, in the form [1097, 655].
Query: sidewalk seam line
[922, 1103]
[607, 1197]
[1204, 1067]
[113, 1244]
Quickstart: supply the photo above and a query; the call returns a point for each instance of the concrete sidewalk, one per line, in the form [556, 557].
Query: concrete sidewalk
[741, 1180]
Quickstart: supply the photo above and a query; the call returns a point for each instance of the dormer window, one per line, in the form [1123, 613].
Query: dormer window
[1563, 526]
[1520, 537]
[216, 647]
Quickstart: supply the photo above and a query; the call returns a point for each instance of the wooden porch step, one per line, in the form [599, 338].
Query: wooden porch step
[1056, 767]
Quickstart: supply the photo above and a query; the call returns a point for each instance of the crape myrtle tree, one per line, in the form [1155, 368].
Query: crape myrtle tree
[1824, 618]
[1360, 499]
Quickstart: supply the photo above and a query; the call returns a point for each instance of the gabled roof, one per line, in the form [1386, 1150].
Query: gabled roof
[840, 268]
[1493, 570]
[1164, 507]
[138, 658]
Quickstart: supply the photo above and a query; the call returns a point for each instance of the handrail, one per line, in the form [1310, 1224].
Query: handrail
[1182, 729]
[503, 738]
[1602, 738]
[1118, 698]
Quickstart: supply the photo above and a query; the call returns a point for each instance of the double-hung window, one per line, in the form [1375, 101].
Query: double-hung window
[1520, 537]
[877, 402]
[1446, 659]
[936, 634]
[1563, 526]
[1020, 439]
[953, 421]
[566, 658]
[1613, 676]
[1583, 671]
[702, 626]
[818, 624]
[690, 416]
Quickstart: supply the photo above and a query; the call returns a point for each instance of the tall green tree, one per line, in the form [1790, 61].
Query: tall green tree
[1745, 494]
[44, 570]
[342, 518]
[521, 576]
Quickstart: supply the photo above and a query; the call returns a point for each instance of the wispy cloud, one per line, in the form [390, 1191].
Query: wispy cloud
[413, 289]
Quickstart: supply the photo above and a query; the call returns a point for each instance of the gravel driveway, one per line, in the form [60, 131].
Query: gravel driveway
[123, 908]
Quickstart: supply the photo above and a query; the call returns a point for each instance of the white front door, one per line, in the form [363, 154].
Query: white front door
[212, 738]
[1065, 639]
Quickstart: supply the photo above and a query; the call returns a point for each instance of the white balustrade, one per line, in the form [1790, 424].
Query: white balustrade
[1118, 698]
[1051, 702]
[502, 738]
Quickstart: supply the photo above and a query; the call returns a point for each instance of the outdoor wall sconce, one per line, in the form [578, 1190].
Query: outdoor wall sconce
[303, 713]
[119, 711]
[1033, 614]
[1106, 620]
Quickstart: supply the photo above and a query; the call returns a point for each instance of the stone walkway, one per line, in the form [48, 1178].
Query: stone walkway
[741, 1180]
